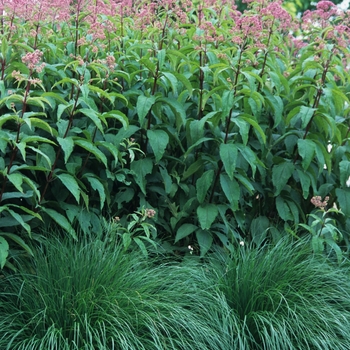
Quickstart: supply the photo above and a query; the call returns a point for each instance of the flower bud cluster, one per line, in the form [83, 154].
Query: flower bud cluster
[32, 59]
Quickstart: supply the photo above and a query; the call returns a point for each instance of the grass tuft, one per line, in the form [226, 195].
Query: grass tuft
[283, 297]
[94, 295]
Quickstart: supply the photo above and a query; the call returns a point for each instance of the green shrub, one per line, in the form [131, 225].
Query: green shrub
[98, 296]
[226, 124]
[283, 297]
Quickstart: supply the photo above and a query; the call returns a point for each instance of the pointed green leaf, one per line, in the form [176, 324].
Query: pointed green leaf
[203, 184]
[306, 150]
[158, 140]
[90, 147]
[193, 168]
[111, 148]
[250, 157]
[281, 174]
[228, 155]
[166, 179]
[143, 106]
[17, 239]
[94, 116]
[344, 168]
[205, 241]
[4, 251]
[141, 168]
[19, 219]
[249, 119]
[177, 108]
[231, 190]
[97, 185]
[16, 179]
[306, 114]
[343, 196]
[141, 246]
[305, 182]
[283, 209]
[206, 215]
[61, 221]
[184, 231]
[71, 184]
[67, 145]
[117, 115]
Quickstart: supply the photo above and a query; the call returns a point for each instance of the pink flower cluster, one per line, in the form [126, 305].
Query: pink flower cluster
[324, 11]
[150, 213]
[318, 203]
[277, 12]
[32, 59]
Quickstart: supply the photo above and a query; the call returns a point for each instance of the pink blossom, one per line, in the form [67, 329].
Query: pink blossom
[32, 59]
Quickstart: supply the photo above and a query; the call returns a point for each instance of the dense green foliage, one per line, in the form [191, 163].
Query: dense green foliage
[282, 297]
[94, 294]
[189, 124]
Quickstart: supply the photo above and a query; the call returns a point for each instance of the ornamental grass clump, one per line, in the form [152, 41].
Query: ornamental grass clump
[283, 297]
[98, 296]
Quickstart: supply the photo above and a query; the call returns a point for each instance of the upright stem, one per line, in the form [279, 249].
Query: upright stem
[201, 86]
[15, 149]
[266, 53]
[316, 101]
[227, 126]
[50, 176]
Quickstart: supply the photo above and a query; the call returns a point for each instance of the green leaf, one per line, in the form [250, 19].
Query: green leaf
[283, 209]
[67, 145]
[306, 114]
[206, 215]
[4, 251]
[177, 108]
[94, 116]
[205, 241]
[250, 157]
[97, 185]
[343, 196]
[344, 168]
[305, 182]
[19, 241]
[20, 220]
[228, 155]
[61, 221]
[143, 106]
[168, 183]
[100, 92]
[249, 119]
[141, 168]
[141, 246]
[231, 190]
[158, 140]
[307, 151]
[172, 80]
[90, 147]
[281, 174]
[16, 179]
[203, 184]
[71, 184]
[193, 168]
[111, 148]
[184, 231]
[117, 115]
